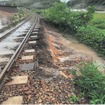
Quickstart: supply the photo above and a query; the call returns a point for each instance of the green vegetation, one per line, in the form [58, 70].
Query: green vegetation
[88, 27]
[91, 83]
[74, 98]
[99, 4]
[95, 2]
[98, 21]
[29, 3]
[92, 36]
[61, 16]
[21, 15]
[94, 33]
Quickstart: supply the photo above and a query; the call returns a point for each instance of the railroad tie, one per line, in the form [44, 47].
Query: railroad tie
[17, 100]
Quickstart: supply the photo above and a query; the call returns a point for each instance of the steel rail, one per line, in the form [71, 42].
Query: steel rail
[14, 29]
[7, 68]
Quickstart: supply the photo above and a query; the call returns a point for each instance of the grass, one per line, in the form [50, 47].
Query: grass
[99, 16]
[91, 83]
[94, 33]
[98, 21]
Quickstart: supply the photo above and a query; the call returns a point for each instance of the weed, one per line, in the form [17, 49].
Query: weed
[74, 98]
[60, 15]
[91, 82]
[93, 37]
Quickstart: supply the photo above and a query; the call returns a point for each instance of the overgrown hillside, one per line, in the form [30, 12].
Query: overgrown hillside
[32, 3]
[95, 2]
[42, 3]
[99, 4]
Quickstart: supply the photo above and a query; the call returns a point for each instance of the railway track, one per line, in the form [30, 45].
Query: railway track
[30, 76]
[7, 69]
[14, 29]
[11, 40]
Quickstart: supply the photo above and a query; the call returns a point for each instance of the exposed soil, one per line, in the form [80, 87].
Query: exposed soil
[8, 9]
[4, 18]
[62, 55]
[73, 47]
[5, 14]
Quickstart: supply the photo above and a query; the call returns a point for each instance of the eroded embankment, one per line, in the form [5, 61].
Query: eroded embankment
[43, 55]
[72, 49]
[63, 56]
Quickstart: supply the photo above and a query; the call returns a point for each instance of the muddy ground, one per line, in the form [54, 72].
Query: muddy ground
[68, 41]
[63, 54]
[5, 14]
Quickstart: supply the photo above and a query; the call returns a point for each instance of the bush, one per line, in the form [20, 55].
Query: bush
[99, 23]
[91, 9]
[91, 83]
[21, 15]
[74, 98]
[92, 36]
[61, 16]
[56, 13]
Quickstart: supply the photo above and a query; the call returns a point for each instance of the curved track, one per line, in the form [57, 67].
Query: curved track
[14, 29]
